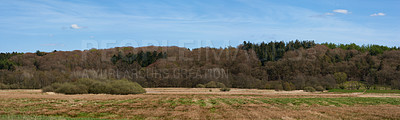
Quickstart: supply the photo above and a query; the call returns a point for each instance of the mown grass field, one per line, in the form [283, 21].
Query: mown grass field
[364, 91]
[28, 117]
[198, 104]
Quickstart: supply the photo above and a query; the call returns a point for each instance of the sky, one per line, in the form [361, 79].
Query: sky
[47, 25]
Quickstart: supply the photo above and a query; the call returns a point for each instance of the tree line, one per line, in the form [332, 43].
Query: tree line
[144, 59]
[5, 63]
[372, 49]
[274, 65]
[274, 51]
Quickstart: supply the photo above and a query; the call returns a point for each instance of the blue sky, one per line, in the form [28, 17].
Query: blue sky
[27, 26]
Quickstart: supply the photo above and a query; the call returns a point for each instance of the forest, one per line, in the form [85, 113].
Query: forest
[278, 65]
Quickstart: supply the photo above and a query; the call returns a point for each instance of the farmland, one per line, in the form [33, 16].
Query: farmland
[199, 103]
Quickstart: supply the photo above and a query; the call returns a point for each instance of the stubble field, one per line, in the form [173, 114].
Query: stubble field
[199, 103]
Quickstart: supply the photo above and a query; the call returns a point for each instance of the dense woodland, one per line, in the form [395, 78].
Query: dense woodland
[274, 65]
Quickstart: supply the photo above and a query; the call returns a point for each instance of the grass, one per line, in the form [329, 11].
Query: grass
[344, 91]
[331, 101]
[366, 91]
[199, 106]
[31, 117]
[383, 91]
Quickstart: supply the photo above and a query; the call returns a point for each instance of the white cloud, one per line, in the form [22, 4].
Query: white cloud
[341, 11]
[378, 14]
[323, 15]
[329, 13]
[75, 26]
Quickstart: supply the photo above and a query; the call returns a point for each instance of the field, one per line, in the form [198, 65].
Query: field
[364, 91]
[199, 103]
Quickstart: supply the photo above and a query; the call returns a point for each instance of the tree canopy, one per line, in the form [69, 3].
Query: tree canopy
[273, 65]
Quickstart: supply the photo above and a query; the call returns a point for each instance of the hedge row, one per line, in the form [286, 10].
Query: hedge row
[84, 86]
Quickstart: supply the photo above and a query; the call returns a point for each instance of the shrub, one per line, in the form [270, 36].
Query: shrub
[225, 89]
[319, 88]
[86, 81]
[3, 86]
[14, 86]
[124, 87]
[51, 88]
[340, 77]
[211, 84]
[272, 84]
[288, 86]
[200, 86]
[268, 86]
[68, 88]
[83, 86]
[221, 85]
[278, 87]
[309, 89]
[100, 87]
[341, 86]
[352, 85]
